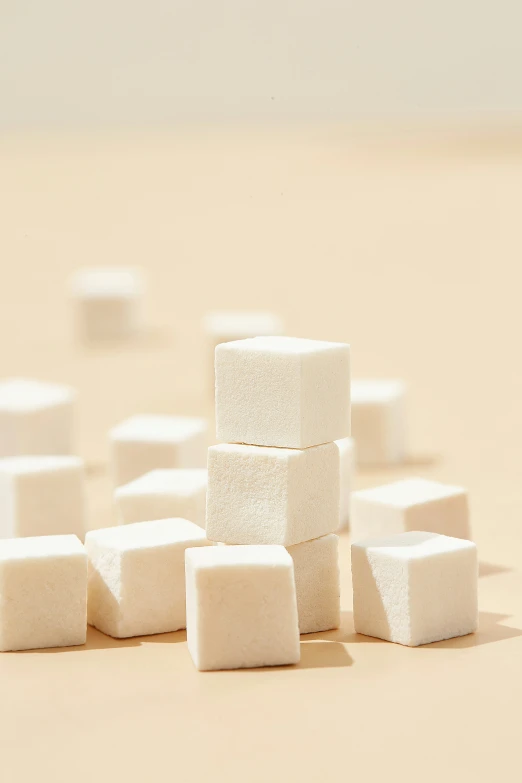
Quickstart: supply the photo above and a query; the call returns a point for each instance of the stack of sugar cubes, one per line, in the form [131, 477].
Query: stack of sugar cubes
[273, 501]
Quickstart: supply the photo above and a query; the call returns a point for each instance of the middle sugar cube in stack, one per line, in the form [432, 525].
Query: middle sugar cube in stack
[281, 403]
[261, 495]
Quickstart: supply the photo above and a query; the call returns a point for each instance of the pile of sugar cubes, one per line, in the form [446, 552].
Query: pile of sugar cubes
[243, 553]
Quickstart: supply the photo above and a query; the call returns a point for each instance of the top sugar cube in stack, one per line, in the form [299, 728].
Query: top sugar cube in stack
[281, 403]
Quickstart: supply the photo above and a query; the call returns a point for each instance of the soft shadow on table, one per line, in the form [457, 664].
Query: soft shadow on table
[411, 462]
[316, 654]
[345, 634]
[165, 638]
[490, 569]
[96, 640]
[490, 630]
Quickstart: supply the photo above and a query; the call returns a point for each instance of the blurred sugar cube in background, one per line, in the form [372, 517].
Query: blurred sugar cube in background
[379, 421]
[223, 326]
[42, 495]
[108, 303]
[145, 442]
[36, 417]
[160, 494]
[410, 504]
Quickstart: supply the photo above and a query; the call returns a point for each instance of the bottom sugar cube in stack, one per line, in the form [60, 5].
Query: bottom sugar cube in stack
[241, 607]
[137, 576]
[164, 494]
[43, 592]
[415, 588]
[316, 569]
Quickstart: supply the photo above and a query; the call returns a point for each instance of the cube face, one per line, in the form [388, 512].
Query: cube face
[108, 319]
[42, 496]
[444, 596]
[241, 608]
[35, 418]
[415, 588]
[447, 514]
[43, 593]
[163, 494]
[261, 495]
[378, 421]
[108, 302]
[137, 576]
[316, 570]
[346, 448]
[282, 391]
[325, 395]
[152, 600]
[145, 443]
[410, 504]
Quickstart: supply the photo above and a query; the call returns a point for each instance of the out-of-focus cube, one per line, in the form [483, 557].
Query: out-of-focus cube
[160, 494]
[108, 303]
[226, 325]
[42, 496]
[144, 443]
[379, 421]
[35, 417]
[410, 504]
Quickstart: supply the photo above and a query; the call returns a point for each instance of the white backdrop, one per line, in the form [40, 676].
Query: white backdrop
[114, 62]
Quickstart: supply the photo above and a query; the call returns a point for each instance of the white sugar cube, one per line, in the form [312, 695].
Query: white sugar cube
[241, 607]
[415, 588]
[108, 302]
[316, 569]
[410, 504]
[160, 494]
[35, 417]
[282, 391]
[263, 495]
[137, 576]
[346, 448]
[228, 325]
[143, 443]
[42, 496]
[43, 591]
[379, 421]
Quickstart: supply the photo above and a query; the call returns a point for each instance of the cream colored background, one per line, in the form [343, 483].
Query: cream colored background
[161, 62]
[406, 246]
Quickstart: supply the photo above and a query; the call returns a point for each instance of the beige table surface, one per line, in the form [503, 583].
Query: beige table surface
[408, 247]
